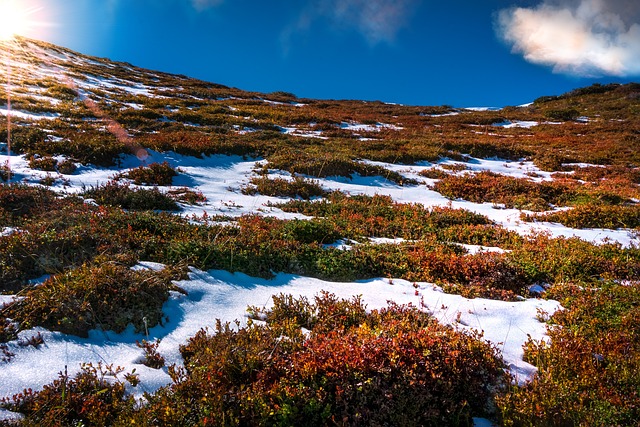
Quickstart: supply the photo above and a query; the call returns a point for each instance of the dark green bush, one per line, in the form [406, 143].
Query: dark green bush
[594, 216]
[86, 146]
[186, 195]
[154, 174]
[62, 92]
[279, 187]
[109, 295]
[19, 200]
[309, 231]
[589, 372]
[46, 163]
[67, 167]
[8, 331]
[138, 199]
[330, 164]
[24, 138]
[549, 162]
[558, 260]
[434, 173]
[491, 187]
[563, 114]
[5, 173]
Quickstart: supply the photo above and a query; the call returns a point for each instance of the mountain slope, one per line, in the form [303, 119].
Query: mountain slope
[51, 82]
[144, 206]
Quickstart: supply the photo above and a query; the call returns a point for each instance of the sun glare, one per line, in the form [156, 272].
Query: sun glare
[13, 19]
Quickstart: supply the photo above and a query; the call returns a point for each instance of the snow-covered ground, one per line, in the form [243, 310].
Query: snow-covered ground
[221, 295]
[221, 177]
[28, 116]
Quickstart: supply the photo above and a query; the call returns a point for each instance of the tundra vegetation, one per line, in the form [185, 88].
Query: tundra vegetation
[350, 366]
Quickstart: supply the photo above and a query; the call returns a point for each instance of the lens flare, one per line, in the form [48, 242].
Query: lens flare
[14, 19]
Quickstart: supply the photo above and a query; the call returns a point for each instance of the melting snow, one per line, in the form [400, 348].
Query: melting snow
[225, 296]
[483, 108]
[516, 124]
[6, 231]
[28, 116]
[359, 127]
[303, 133]
[219, 294]
[475, 249]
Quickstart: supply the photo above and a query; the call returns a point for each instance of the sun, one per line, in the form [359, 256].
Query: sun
[13, 19]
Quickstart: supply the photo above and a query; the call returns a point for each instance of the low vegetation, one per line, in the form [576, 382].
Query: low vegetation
[523, 193]
[594, 216]
[394, 366]
[588, 371]
[108, 295]
[116, 194]
[154, 174]
[298, 187]
[325, 361]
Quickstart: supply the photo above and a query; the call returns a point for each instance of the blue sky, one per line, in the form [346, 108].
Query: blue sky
[417, 52]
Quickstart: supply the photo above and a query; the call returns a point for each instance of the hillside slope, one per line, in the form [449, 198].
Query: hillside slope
[142, 206]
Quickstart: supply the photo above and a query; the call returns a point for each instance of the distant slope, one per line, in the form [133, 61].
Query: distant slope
[59, 91]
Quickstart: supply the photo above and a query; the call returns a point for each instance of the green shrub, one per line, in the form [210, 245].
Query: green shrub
[549, 162]
[48, 180]
[62, 92]
[330, 164]
[73, 233]
[481, 234]
[192, 143]
[520, 193]
[186, 195]
[154, 174]
[109, 295]
[594, 216]
[8, 331]
[545, 99]
[5, 173]
[593, 89]
[24, 138]
[566, 114]
[455, 167]
[358, 217]
[307, 232]
[86, 146]
[558, 260]
[46, 163]
[19, 200]
[122, 195]
[588, 374]
[67, 167]
[434, 173]
[279, 187]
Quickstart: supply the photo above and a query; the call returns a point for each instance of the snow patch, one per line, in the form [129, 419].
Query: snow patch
[222, 295]
[28, 116]
[516, 124]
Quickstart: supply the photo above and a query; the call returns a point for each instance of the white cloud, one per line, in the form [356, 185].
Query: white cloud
[587, 38]
[205, 4]
[378, 21]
